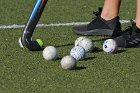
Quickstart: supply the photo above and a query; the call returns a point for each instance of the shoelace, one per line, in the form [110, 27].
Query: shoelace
[97, 13]
[129, 28]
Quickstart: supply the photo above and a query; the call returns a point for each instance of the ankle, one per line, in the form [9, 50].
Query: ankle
[138, 26]
[137, 20]
[107, 17]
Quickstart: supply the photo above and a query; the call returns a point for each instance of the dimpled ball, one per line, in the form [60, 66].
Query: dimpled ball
[78, 40]
[68, 62]
[86, 43]
[110, 46]
[78, 52]
[50, 53]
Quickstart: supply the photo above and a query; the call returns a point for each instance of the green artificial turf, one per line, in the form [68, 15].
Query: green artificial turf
[24, 71]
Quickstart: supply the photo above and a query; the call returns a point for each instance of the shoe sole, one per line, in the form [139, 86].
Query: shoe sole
[95, 32]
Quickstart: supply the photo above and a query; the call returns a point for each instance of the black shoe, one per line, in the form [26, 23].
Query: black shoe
[99, 26]
[130, 38]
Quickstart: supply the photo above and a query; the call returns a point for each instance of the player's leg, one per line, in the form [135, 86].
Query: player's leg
[106, 22]
[110, 9]
[137, 18]
[131, 38]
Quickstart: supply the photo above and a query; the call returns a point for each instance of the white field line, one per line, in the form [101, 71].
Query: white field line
[58, 24]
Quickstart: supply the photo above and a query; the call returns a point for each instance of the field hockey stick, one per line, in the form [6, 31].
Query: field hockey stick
[26, 38]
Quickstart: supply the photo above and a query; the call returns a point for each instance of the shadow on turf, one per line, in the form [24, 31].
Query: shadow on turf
[89, 58]
[120, 51]
[59, 58]
[102, 40]
[96, 50]
[65, 45]
[80, 68]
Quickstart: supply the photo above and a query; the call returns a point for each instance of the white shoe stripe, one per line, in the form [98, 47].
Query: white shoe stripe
[131, 43]
[135, 41]
[138, 39]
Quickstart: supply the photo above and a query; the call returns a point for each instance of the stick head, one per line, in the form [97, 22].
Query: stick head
[32, 45]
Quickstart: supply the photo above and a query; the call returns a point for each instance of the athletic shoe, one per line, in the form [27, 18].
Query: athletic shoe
[99, 26]
[130, 38]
